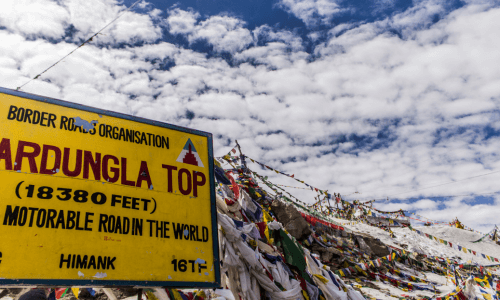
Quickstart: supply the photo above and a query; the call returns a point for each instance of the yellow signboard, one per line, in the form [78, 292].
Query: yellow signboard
[92, 197]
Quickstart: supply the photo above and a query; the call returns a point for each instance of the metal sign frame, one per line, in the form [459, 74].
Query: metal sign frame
[130, 283]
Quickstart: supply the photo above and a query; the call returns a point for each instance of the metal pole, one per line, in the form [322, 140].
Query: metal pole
[139, 294]
[242, 157]
[328, 198]
[337, 203]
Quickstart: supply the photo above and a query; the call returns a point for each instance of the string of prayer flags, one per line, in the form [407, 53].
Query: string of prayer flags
[491, 234]
[457, 247]
[312, 188]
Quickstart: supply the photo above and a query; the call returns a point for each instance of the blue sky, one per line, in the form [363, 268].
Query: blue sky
[384, 98]
[273, 13]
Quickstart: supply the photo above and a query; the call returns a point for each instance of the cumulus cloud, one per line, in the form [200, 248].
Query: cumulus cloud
[181, 21]
[34, 18]
[76, 20]
[224, 33]
[391, 108]
[289, 38]
[312, 12]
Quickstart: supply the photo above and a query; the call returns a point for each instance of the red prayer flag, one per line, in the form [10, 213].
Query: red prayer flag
[234, 186]
[60, 292]
[262, 229]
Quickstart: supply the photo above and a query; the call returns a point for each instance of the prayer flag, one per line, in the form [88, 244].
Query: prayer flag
[75, 292]
[61, 292]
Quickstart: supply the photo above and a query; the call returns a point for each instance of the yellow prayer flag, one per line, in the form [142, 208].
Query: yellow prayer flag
[321, 278]
[152, 296]
[176, 294]
[269, 239]
[202, 294]
[267, 216]
[252, 243]
[484, 281]
[487, 296]
[306, 297]
[217, 163]
[75, 292]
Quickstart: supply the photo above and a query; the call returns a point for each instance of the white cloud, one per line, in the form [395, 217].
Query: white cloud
[266, 33]
[309, 11]
[34, 18]
[274, 54]
[49, 19]
[224, 33]
[182, 22]
[89, 17]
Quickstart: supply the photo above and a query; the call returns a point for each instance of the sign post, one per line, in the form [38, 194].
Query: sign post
[93, 197]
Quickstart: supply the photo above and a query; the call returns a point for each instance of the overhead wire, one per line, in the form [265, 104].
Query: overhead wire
[437, 197]
[451, 182]
[396, 175]
[81, 45]
[441, 184]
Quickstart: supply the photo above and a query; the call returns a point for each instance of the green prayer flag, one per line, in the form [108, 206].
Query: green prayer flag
[294, 255]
